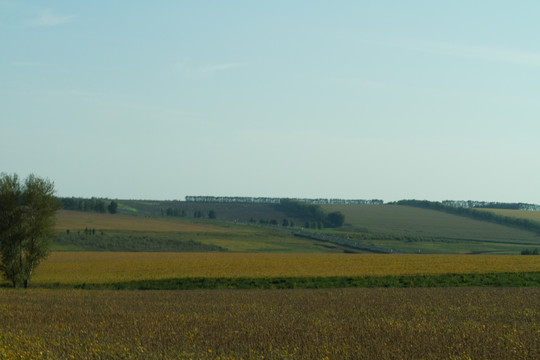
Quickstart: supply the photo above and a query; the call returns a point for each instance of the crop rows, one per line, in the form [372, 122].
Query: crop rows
[106, 267]
[274, 324]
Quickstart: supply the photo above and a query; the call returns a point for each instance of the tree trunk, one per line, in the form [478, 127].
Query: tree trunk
[25, 283]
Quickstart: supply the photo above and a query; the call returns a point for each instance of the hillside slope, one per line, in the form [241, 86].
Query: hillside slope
[401, 228]
[89, 231]
[427, 230]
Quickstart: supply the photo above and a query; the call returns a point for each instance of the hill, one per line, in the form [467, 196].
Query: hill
[388, 227]
[426, 230]
[88, 231]
[518, 214]
[240, 212]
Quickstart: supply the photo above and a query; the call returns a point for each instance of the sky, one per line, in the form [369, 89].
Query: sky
[434, 100]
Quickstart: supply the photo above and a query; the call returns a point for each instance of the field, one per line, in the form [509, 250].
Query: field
[467, 323]
[58, 317]
[108, 267]
[78, 220]
[520, 214]
[402, 228]
[119, 232]
[428, 231]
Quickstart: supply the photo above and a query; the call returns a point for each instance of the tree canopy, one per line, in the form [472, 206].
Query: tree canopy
[27, 219]
[313, 212]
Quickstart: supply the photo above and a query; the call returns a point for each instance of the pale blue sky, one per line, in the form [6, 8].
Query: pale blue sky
[344, 99]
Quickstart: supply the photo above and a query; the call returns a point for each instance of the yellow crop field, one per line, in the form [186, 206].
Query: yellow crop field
[78, 220]
[443, 323]
[105, 267]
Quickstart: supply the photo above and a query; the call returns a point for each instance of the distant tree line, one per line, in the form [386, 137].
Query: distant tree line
[271, 200]
[91, 205]
[524, 224]
[490, 205]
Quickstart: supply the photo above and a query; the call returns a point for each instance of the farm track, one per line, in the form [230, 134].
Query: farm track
[345, 242]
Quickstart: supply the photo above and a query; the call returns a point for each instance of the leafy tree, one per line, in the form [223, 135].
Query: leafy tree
[335, 219]
[100, 206]
[211, 214]
[27, 216]
[316, 216]
[113, 207]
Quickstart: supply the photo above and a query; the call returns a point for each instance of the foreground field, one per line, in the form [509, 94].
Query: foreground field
[105, 267]
[284, 324]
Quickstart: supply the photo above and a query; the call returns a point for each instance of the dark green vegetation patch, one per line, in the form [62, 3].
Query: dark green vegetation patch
[92, 240]
[402, 281]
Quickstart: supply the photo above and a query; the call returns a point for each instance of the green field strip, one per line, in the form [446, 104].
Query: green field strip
[526, 279]
[482, 241]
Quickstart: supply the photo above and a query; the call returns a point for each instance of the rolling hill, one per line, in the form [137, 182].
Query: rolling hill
[237, 227]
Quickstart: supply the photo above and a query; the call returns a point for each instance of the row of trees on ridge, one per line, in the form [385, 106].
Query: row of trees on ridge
[92, 205]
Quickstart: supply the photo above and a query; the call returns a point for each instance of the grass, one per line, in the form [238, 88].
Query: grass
[126, 208]
[442, 323]
[132, 241]
[520, 214]
[444, 246]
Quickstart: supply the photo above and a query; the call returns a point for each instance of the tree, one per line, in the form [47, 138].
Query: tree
[211, 214]
[99, 206]
[27, 218]
[335, 219]
[113, 207]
